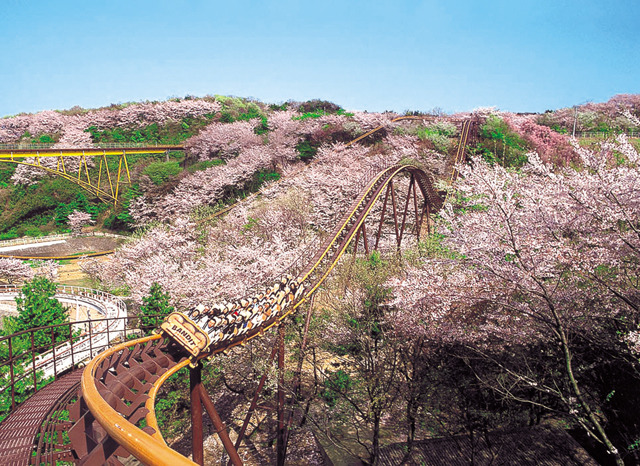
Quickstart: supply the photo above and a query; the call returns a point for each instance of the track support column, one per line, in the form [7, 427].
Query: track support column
[281, 453]
[221, 429]
[197, 446]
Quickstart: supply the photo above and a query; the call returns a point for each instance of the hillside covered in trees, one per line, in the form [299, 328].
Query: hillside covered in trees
[520, 308]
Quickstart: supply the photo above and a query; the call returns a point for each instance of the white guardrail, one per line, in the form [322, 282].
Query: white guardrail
[44, 239]
[94, 336]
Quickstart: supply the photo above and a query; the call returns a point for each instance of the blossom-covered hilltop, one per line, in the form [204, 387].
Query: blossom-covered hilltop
[521, 306]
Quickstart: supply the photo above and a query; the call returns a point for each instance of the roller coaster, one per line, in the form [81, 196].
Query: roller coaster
[111, 402]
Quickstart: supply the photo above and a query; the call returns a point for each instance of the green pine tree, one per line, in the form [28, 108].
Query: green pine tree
[37, 307]
[155, 306]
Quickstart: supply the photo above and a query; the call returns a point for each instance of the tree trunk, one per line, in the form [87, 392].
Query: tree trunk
[375, 447]
[411, 431]
[593, 419]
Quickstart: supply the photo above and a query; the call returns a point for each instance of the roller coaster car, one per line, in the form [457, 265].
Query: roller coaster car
[186, 333]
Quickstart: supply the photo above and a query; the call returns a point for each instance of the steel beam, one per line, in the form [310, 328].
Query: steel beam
[221, 429]
[280, 447]
[197, 439]
[384, 209]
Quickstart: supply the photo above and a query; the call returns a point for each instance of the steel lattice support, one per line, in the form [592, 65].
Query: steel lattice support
[101, 182]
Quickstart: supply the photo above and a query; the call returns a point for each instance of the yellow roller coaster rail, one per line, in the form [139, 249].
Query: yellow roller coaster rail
[104, 182]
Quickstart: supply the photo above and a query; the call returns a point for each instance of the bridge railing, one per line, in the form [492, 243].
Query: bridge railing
[99, 145]
[32, 358]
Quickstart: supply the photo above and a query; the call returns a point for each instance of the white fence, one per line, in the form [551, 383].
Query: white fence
[94, 336]
[44, 239]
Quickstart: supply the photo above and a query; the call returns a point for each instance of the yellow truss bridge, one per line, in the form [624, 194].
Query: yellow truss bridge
[103, 182]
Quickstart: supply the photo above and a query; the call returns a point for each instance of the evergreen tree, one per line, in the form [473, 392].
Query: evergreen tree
[37, 307]
[156, 303]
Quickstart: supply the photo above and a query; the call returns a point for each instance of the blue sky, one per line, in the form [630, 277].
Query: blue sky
[518, 55]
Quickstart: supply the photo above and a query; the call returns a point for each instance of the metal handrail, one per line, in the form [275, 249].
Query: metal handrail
[84, 339]
[98, 145]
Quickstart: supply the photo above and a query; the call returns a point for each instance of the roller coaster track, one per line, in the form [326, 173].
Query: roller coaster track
[114, 416]
[103, 183]
[464, 137]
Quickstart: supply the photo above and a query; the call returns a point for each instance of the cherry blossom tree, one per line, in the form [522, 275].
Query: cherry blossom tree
[551, 146]
[621, 112]
[543, 256]
[12, 270]
[78, 220]
[224, 140]
[46, 268]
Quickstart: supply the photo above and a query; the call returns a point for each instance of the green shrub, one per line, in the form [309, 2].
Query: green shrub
[46, 139]
[263, 177]
[40, 139]
[319, 106]
[11, 234]
[6, 172]
[235, 109]
[307, 150]
[499, 144]
[33, 231]
[160, 172]
[250, 114]
[339, 382]
[279, 107]
[319, 113]
[204, 164]
[439, 134]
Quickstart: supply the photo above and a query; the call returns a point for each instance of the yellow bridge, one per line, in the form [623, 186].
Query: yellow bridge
[71, 163]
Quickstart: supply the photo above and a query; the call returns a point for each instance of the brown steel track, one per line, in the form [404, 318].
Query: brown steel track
[21, 427]
[114, 416]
